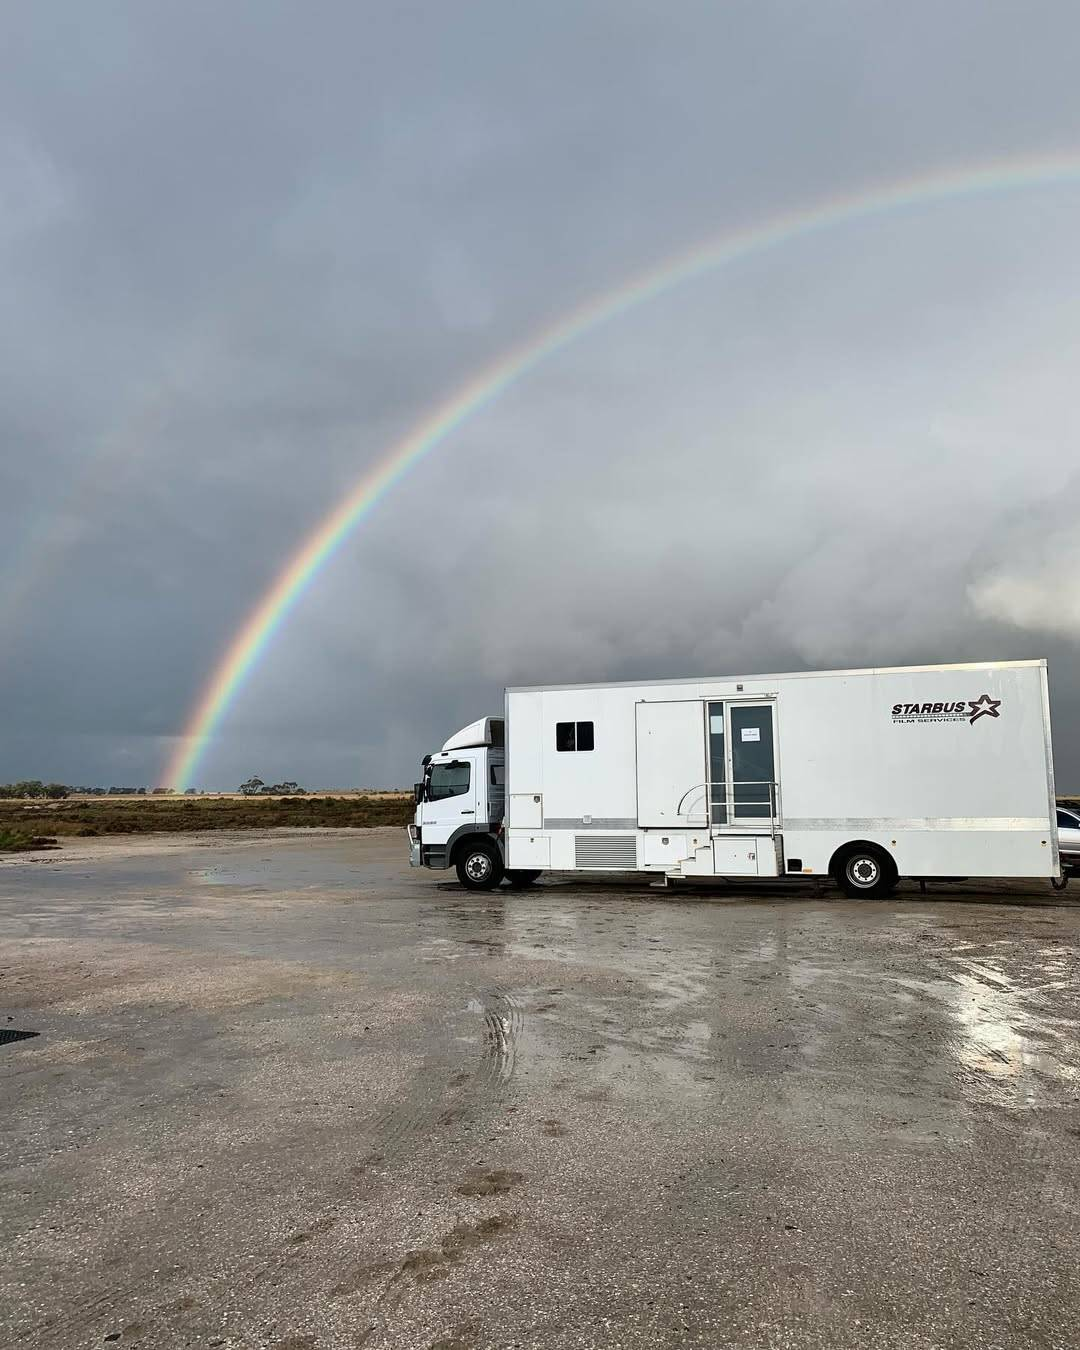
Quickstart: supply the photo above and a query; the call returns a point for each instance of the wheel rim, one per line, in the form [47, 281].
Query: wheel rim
[863, 871]
[478, 867]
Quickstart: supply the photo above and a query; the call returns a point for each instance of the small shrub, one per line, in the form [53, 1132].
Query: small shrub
[19, 841]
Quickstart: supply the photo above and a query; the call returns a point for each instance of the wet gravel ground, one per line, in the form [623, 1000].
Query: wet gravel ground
[287, 1093]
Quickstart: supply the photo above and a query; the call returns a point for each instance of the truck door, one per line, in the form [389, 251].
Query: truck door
[671, 777]
[451, 799]
[743, 787]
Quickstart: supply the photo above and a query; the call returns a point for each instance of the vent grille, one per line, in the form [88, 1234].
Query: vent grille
[615, 851]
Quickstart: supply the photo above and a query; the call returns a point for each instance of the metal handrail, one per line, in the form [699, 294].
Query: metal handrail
[726, 800]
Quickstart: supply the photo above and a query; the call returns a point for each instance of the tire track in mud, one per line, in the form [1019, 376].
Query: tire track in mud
[421, 1104]
[504, 1021]
[502, 1024]
[425, 1104]
[418, 1112]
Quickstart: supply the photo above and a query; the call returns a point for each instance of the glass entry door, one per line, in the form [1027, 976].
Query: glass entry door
[742, 763]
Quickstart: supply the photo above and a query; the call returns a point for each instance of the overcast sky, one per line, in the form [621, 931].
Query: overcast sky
[244, 247]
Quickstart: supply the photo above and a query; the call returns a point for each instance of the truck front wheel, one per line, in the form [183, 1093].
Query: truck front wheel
[863, 870]
[479, 866]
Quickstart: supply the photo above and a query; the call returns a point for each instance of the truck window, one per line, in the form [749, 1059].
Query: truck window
[448, 780]
[573, 735]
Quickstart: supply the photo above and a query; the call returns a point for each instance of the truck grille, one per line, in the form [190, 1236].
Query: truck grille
[615, 851]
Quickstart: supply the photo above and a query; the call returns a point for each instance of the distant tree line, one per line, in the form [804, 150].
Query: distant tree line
[34, 788]
[255, 787]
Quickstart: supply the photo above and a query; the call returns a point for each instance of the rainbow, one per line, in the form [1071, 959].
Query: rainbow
[259, 628]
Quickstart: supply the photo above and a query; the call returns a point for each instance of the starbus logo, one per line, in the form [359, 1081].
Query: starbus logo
[966, 710]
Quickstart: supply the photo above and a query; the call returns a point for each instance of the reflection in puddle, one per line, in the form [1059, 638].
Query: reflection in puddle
[637, 1001]
[622, 1065]
[1018, 1056]
[281, 873]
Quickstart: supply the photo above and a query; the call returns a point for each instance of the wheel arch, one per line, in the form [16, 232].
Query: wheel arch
[843, 851]
[465, 836]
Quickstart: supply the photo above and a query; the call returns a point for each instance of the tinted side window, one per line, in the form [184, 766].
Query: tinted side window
[573, 735]
[448, 780]
[1065, 821]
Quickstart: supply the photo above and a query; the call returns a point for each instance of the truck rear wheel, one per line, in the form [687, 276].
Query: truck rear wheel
[864, 870]
[517, 877]
[479, 866]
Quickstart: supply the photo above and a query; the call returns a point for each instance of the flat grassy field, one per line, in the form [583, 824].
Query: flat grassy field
[84, 817]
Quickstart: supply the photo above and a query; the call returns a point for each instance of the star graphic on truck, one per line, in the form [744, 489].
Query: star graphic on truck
[985, 706]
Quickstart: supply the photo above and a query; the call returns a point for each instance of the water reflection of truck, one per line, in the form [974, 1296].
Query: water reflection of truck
[863, 775]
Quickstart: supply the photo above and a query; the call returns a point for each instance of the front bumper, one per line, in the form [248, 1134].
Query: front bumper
[414, 846]
[1070, 864]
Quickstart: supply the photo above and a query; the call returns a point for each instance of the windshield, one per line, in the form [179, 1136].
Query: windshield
[448, 780]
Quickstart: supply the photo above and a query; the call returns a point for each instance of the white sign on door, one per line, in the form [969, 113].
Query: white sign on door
[751, 733]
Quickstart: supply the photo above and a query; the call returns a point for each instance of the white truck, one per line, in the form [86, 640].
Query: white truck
[865, 776]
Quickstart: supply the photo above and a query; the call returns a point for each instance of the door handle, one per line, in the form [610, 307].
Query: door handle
[468, 813]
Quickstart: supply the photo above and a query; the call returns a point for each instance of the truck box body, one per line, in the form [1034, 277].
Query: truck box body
[946, 768]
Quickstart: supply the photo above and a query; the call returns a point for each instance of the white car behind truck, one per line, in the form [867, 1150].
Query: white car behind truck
[866, 776]
[1068, 823]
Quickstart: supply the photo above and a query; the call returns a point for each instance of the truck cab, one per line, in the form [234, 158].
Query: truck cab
[460, 803]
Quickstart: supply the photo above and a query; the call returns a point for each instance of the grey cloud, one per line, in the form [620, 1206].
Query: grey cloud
[245, 248]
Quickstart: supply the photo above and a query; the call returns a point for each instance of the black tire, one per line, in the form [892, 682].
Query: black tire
[479, 866]
[865, 871]
[517, 877]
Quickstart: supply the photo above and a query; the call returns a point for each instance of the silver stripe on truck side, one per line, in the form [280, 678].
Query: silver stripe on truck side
[594, 823]
[894, 823]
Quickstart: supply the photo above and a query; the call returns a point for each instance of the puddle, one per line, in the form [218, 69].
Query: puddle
[1017, 1053]
[280, 873]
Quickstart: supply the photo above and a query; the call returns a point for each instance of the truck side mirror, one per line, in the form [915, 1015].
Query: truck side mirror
[418, 792]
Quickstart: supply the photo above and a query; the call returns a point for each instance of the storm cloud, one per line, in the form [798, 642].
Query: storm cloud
[244, 249]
